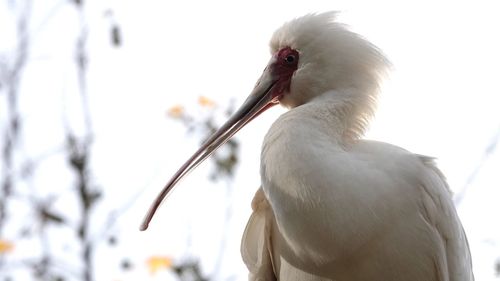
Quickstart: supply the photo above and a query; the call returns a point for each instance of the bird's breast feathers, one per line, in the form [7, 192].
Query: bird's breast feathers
[320, 191]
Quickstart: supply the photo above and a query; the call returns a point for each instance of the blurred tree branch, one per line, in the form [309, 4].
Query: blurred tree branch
[19, 168]
[11, 77]
[14, 168]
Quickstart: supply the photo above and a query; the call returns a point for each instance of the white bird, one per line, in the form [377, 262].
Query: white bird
[333, 206]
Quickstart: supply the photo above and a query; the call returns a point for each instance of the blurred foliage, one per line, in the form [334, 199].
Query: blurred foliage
[6, 246]
[156, 263]
[202, 121]
[44, 227]
[189, 271]
[47, 222]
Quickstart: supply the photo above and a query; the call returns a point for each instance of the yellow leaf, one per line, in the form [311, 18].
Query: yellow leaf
[156, 263]
[6, 246]
[176, 111]
[204, 101]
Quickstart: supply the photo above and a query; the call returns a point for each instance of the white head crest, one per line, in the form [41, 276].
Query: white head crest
[332, 58]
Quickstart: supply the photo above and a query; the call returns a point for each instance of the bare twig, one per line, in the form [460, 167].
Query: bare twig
[488, 152]
[11, 81]
[79, 153]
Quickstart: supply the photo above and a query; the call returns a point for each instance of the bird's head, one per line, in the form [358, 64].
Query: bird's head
[326, 56]
[312, 56]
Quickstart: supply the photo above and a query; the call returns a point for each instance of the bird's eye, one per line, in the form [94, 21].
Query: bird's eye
[290, 59]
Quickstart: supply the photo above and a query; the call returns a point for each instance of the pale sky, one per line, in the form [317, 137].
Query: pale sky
[441, 100]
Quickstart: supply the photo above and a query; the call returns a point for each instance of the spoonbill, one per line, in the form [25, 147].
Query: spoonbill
[333, 206]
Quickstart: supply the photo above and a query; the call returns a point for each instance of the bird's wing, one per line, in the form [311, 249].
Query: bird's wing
[255, 244]
[442, 215]
[263, 247]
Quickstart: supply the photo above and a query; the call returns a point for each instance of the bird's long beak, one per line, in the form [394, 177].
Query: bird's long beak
[266, 93]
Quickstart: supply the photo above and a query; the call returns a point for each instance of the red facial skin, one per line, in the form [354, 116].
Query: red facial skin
[287, 60]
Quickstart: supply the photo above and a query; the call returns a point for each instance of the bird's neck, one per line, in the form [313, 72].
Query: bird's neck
[340, 114]
[302, 148]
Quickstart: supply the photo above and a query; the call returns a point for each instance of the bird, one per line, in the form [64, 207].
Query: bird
[333, 205]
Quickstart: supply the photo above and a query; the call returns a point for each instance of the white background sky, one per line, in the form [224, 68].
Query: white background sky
[441, 100]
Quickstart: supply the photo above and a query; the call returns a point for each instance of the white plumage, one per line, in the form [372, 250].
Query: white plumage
[333, 206]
